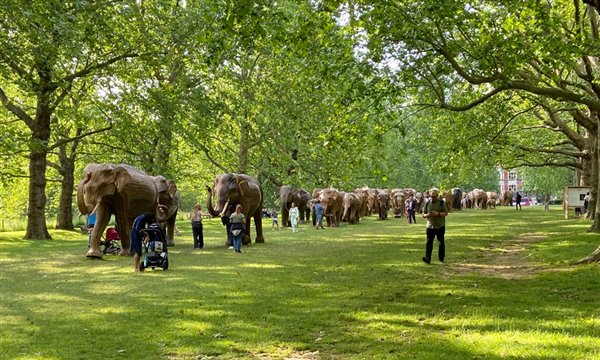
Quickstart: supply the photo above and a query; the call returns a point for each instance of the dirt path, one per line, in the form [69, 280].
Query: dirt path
[508, 260]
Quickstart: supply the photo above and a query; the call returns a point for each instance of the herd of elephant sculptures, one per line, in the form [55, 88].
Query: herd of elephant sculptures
[126, 192]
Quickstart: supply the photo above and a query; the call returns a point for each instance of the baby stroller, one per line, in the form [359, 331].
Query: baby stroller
[155, 248]
[110, 244]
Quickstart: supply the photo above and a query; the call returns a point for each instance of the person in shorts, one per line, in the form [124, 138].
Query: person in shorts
[275, 221]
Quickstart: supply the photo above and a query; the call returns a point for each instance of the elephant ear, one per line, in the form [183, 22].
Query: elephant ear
[172, 188]
[122, 178]
[243, 186]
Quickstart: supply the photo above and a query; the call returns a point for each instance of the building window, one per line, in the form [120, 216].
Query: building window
[512, 187]
[512, 175]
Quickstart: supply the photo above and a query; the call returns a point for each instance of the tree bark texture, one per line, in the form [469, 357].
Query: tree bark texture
[40, 133]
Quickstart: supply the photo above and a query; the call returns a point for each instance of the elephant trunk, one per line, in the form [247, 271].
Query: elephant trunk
[209, 205]
[346, 214]
[162, 213]
[80, 199]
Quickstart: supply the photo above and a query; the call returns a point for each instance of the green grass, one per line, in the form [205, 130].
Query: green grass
[507, 291]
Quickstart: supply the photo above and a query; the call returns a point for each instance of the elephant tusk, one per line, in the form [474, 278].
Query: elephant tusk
[95, 208]
[224, 209]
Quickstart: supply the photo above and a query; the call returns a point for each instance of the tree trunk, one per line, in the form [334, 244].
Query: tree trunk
[40, 133]
[64, 218]
[244, 148]
[593, 257]
[594, 185]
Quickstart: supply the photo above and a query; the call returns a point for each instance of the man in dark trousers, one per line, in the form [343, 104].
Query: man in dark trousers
[435, 211]
[518, 201]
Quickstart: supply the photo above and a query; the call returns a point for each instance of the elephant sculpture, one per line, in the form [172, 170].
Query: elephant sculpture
[456, 198]
[372, 203]
[331, 200]
[288, 195]
[479, 199]
[382, 201]
[351, 205]
[505, 198]
[491, 199]
[363, 195]
[420, 198]
[398, 198]
[233, 189]
[123, 191]
[304, 206]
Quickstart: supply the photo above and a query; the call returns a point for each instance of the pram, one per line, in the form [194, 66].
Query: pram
[155, 248]
[111, 243]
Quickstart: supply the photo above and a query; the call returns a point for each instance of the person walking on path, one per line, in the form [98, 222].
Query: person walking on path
[518, 201]
[197, 227]
[319, 211]
[275, 221]
[238, 223]
[412, 209]
[294, 216]
[435, 211]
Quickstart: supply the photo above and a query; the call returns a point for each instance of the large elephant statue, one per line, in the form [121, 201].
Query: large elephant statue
[331, 200]
[288, 195]
[233, 189]
[363, 196]
[351, 205]
[304, 206]
[383, 202]
[372, 204]
[457, 196]
[123, 191]
[505, 198]
[398, 198]
[491, 199]
[479, 199]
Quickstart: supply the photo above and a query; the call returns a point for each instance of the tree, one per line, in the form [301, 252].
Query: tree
[46, 49]
[460, 55]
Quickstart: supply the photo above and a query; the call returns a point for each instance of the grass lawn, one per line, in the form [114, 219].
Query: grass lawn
[506, 291]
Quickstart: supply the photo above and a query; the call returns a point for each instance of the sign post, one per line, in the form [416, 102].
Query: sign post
[573, 198]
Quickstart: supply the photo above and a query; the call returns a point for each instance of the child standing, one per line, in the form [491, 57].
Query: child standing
[274, 217]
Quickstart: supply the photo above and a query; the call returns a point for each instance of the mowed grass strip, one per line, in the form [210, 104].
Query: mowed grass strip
[506, 291]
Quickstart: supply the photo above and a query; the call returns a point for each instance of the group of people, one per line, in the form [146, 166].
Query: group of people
[294, 214]
[435, 212]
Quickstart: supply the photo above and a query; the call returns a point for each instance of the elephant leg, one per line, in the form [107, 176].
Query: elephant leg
[124, 236]
[258, 226]
[99, 227]
[171, 230]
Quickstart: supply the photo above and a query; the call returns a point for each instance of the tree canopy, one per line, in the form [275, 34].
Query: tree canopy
[311, 94]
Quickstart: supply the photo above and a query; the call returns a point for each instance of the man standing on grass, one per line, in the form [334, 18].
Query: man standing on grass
[435, 211]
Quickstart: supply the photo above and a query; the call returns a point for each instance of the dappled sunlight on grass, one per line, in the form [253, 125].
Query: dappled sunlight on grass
[263, 266]
[353, 292]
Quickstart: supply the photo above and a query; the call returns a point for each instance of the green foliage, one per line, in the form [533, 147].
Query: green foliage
[353, 292]
[292, 92]
[546, 180]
